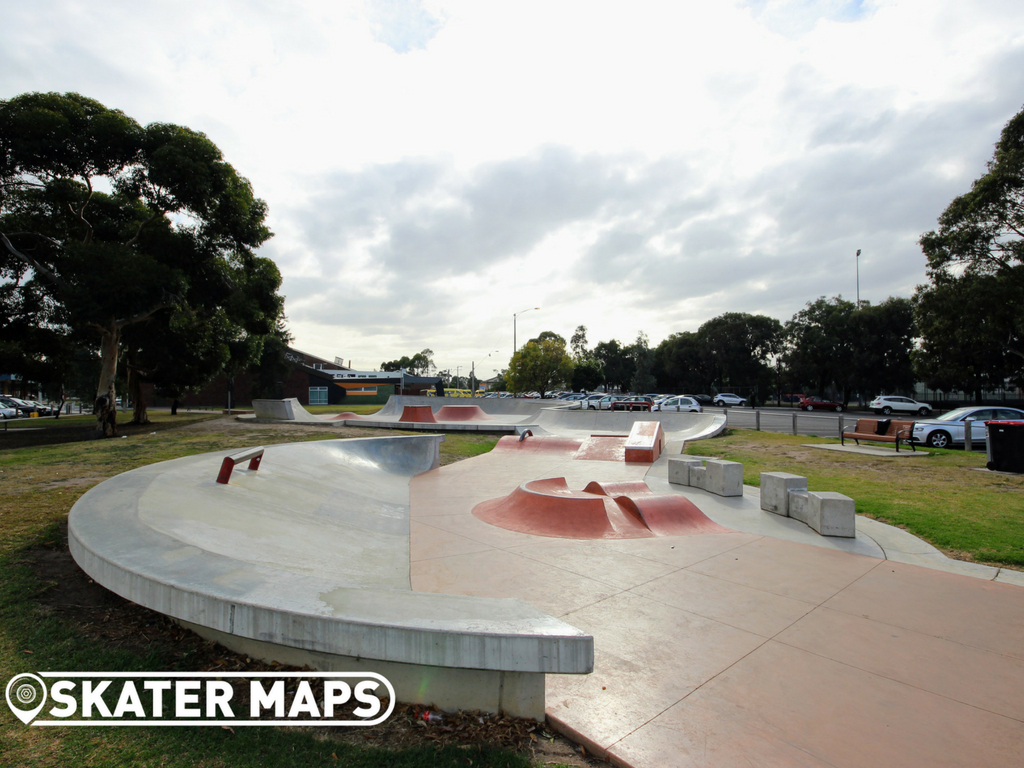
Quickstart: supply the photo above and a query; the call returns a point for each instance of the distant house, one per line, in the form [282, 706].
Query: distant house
[333, 386]
[313, 381]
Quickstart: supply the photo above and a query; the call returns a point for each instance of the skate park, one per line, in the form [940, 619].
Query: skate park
[731, 634]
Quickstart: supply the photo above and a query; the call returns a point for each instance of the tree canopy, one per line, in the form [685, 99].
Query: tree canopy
[540, 365]
[969, 313]
[121, 228]
[419, 364]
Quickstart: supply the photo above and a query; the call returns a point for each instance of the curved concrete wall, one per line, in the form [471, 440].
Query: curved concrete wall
[311, 552]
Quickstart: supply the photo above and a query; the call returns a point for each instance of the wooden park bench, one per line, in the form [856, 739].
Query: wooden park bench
[871, 430]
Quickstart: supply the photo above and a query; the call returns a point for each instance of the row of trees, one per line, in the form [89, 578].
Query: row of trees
[129, 251]
[962, 331]
[831, 345]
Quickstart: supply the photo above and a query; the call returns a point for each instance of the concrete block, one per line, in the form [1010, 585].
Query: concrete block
[832, 514]
[679, 470]
[724, 478]
[799, 505]
[698, 477]
[775, 488]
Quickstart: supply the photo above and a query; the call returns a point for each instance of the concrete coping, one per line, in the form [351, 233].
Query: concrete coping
[312, 552]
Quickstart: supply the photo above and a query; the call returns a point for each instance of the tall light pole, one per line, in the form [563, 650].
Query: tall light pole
[472, 373]
[517, 314]
[858, 278]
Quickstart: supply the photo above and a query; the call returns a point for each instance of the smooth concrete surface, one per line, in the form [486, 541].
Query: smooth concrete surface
[770, 645]
[866, 450]
[311, 551]
[520, 694]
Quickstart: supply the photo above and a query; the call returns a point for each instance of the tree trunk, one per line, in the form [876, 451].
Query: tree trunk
[174, 407]
[140, 414]
[106, 397]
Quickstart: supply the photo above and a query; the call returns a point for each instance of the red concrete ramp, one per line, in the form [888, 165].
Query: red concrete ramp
[548, 507]
[418, 413]
[645, 442]
[563, 446]
[462, 413]
[603, 448]
[670, 515]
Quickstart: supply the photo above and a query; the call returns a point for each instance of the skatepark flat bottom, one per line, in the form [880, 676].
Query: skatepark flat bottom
[739, 648]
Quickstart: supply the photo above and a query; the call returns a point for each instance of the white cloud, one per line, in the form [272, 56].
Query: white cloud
[434, 166]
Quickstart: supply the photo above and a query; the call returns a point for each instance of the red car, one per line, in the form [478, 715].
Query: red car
[818, 404]
[633, 404]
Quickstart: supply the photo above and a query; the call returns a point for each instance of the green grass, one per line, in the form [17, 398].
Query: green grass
[969, 514]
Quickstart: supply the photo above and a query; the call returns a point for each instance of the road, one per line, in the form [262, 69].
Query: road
[817, 424]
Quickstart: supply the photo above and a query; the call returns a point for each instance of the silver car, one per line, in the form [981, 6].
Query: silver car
[948, 429]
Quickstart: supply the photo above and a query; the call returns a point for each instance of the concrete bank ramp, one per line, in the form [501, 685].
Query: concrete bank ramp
[310, 552]
[289, 409]
[582, 424]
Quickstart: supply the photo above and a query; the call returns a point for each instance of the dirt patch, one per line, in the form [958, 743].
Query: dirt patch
[107, 618]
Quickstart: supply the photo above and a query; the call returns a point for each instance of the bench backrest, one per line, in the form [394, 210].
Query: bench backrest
[870, 426]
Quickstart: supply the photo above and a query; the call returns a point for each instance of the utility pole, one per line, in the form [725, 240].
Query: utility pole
[858, 278]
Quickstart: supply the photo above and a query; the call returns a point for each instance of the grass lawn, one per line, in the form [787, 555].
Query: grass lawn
[969, 514]
[41, 628]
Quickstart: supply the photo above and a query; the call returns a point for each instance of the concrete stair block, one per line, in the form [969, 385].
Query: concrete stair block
[799, 505]
[775, 488]
[679, 470]
[832, 514]
[724, 478]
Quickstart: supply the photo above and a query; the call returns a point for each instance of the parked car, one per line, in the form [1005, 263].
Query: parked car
[704, 400]
[23, 407]
[590, 403]
[633, 403]
[678, 403]
[605, 403]
[8, 413]
[820, 404]
[888, 404]
[724, 399]
[948, 429]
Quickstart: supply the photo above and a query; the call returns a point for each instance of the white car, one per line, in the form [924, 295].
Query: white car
[590, 401]
[605, 403]
[678, 403]
[727, 398]
[887, 404]
[948, 429]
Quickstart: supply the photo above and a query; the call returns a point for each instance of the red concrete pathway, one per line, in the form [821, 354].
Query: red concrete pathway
[737, 649]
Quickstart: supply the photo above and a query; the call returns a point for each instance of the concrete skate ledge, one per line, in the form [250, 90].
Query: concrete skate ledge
[309, 553]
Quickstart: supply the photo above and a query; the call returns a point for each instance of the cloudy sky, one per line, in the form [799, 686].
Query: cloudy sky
[433, 168]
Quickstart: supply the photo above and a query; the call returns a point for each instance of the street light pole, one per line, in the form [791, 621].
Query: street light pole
[517, 314]
[858, 278]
